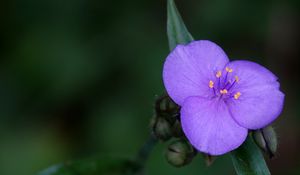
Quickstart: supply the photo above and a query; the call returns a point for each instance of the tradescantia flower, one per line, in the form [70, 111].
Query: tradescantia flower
[220, 100]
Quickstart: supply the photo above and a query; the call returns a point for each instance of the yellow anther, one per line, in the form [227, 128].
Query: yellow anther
[237, 95]
[218, 74]
[228, 69]
[236, 78]
[211, 84]
[224, 91]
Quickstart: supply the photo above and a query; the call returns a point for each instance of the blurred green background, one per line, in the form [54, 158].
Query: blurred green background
[78, 77]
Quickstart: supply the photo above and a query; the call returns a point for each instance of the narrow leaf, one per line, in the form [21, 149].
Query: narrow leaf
[177, 32]
[248, 159]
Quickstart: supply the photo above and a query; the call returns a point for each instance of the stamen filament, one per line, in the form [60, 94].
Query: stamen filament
[228, 70]
[235, 81]
[225, 79]
[231, 85]
[214, 91]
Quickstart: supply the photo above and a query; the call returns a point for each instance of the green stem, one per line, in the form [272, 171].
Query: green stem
[145, 150]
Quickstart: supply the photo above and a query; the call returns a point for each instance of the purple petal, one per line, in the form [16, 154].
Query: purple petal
[188, 69]
[261, 101]
[209, 126]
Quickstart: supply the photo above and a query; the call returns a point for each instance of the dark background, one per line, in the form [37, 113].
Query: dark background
[78, 77]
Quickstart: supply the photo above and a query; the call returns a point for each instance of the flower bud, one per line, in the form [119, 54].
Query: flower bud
[166, 104]
[166, 108]
[266, 139]
[162, 128]
[259, 139]
[176, 129]
[179, 153]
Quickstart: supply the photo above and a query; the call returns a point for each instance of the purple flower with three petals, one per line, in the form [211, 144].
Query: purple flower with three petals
[220, 100]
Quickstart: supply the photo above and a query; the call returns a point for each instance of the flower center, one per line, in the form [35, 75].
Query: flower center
[224, 85]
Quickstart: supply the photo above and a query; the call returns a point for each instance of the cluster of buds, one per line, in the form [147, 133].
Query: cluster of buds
[165, 122]
[166, 126]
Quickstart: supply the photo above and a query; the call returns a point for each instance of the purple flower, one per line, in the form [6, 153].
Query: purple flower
[220, 100]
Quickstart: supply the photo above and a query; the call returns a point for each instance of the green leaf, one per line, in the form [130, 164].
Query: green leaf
[248, 159]
[104, 165]
[176, 29]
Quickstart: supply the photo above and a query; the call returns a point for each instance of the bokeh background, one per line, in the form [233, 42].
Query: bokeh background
[78, 78]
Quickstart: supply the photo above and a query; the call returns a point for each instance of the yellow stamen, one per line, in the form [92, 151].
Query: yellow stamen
[218, 74]
[228, 69]
[224, 91]
[237, 95]
[236, 78]
[211, 84]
